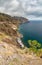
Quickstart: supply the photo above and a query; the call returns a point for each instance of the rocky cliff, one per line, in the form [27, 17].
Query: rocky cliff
[11, 52]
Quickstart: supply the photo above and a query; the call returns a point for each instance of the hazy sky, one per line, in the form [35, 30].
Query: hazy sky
[32, 9]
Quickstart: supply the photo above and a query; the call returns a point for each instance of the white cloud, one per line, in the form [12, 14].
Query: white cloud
[31, 9]
[14, 4]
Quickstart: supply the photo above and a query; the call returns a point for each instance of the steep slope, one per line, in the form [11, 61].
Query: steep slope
[11, 53]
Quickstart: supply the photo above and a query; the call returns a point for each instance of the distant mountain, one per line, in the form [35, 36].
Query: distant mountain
[21, 19]
[6, 17]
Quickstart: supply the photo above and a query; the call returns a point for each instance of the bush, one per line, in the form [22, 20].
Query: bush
[35, 47]
[34, 44]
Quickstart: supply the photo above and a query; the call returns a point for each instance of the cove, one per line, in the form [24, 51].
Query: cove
[31, 31]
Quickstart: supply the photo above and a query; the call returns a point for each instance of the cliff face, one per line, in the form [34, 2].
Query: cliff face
[9, 25]
[10, 51]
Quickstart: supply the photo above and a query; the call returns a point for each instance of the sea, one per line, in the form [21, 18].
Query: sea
[31, 30]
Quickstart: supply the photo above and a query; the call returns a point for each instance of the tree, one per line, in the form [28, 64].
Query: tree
[34, 44]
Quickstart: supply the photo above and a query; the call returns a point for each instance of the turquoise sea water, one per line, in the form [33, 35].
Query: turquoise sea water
[31, 31]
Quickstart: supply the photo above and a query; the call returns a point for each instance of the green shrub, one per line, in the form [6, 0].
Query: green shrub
[35, 47]
[34, 44]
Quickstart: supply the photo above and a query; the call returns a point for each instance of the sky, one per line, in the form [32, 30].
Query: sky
[31, 9]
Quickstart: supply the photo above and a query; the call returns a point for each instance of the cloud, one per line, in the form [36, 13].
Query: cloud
[31, 9]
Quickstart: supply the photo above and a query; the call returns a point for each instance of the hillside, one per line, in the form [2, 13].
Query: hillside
[7, 23]
[11, 51]
[14, 19]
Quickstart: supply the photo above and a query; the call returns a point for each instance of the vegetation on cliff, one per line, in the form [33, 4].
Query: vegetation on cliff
[35, 47]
